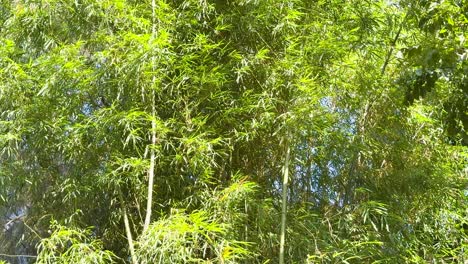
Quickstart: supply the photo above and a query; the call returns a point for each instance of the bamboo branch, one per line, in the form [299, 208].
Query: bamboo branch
[392, 45]
[17, 256]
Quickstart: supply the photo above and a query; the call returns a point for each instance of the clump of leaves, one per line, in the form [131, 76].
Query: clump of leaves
[201, 236]
[189, 238]
[351, 235]
[72, 245]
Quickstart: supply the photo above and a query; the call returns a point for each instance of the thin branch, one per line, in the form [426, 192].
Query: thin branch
[386, 62]
[16, 256]
[32, 229]
[392, 44]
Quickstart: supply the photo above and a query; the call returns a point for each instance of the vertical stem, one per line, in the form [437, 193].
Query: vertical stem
[284, 202]
[246, 226]
[151, 173]
[128, 231]
[153, 129]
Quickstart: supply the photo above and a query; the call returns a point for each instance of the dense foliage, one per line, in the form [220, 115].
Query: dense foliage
[237, 131]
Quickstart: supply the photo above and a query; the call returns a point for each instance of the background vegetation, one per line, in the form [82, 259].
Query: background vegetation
[237, 131]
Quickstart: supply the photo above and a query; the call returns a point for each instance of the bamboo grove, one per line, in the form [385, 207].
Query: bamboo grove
[233, 131]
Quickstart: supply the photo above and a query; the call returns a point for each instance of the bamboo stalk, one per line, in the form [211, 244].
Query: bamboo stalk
[284, 203]
[149, 202]
[128, 231]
